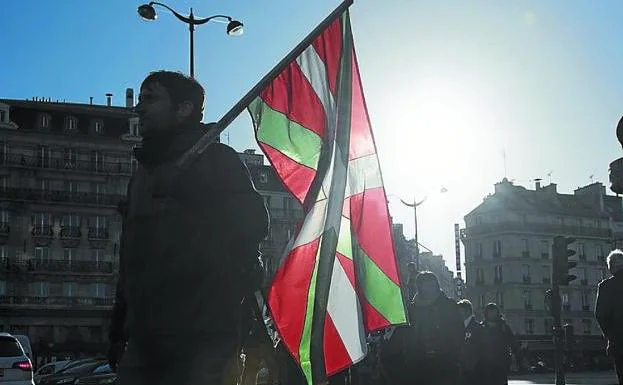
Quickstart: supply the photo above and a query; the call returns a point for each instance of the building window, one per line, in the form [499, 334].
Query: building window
[70, 220]
[70, 254]
[599, 252]
[527, 299]
[547, 274]
[587, 325]
[478, 250]
[43, 184]
[45, 120]
[497, 249]
[498, 274]
[545, 249]
[583, 276]
[581, 252]
[4, 255]
[4, 152]
[70, 289]
[97, 255]
[482, 301]
[98, 127]
[529, 324]
[526, 274]
[2, 288]
[71, 158]
[42, 253]
[72, 186]
[42, 223]
[71, 123]
[96, 160]
[480, 276]
[525, 252]
[499, 299]
[44, 156]
[99, 290]
[39, 289]
[5, 217]
[586, 301]
[548, 325]
[3, 117]
[566, 304]
[560, 220]
[134, 127]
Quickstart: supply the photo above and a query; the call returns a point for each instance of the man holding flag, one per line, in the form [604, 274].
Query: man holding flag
[338, 280]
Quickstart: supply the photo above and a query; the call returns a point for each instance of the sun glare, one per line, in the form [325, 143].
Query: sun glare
[440, 128]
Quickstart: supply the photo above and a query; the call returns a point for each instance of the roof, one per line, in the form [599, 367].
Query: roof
[82, 108]
[509, 197]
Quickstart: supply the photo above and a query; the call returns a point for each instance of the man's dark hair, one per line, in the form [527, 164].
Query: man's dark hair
[425, 276]
[181, 88]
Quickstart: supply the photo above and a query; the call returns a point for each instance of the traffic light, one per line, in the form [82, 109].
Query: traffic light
[562, 265]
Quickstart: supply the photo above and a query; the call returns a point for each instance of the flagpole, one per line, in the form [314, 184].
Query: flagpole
[191, 154]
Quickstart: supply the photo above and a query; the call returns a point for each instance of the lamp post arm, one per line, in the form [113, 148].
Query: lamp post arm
[203, 21]
[179, 16]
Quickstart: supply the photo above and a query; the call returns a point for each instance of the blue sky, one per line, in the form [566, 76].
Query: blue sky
[450, 85]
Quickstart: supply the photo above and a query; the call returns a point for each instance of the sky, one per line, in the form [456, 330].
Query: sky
[460, 93]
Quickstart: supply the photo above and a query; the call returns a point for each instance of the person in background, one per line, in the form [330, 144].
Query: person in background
[472, 365]
[609, 310]
[499, 344]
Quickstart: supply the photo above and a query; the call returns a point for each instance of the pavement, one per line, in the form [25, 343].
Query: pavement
[592, 378]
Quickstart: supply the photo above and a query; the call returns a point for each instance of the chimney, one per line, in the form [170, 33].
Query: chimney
[129, 98]
[537, 183]
[91, 100]
[109, 99]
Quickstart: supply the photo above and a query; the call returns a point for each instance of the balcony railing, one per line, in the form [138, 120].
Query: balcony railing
[56, 301]
[71, 232]
[18, 160]
[540, 228]
[39, 195]
[98, 233]
[56, 266]
[42, 231]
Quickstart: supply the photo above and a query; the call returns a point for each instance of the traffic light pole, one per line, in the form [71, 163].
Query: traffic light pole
[559, 352]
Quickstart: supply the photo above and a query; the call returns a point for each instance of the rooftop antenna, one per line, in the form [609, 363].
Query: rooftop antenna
[549, 177]
[591, 178]
[504, 157]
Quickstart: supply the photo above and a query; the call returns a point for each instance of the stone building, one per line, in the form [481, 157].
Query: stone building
[64, 169]
[508, 240]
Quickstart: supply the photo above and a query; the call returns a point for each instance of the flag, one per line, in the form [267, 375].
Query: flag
[339, 277]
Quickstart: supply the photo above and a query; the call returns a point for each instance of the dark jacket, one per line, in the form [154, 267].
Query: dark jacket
[609, 311]
[499, 343]
[184, 235]
[472, 353]
[437, 329]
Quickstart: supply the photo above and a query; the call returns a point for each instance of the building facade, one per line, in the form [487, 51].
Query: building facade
[64, 170]
[508, 241]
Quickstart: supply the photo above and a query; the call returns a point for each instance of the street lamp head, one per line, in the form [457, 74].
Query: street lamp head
[147, 12]
[235, 28]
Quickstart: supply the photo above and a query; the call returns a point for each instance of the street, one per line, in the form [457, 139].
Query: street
[593, 378]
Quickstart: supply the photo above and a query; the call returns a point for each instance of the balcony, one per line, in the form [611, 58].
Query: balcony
[63, 266]
[56, 301]
[18, 160]
[71, 232]
[60, 196]
[536, 228]
[98, 233]
[44, 231]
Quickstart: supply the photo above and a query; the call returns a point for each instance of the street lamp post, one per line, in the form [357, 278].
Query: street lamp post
[234, 27]
[415, 204]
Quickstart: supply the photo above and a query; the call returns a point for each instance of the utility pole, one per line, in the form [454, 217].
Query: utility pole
[560, 277]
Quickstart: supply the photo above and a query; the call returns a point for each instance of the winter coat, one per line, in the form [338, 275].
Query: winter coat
[499, 342]
[609, 312]
[184, 237]
[437, 329]
[472, 354]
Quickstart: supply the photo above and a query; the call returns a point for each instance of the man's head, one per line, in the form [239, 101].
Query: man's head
[492, 313]
[427, 284]
[167, 100]
[465, 306]
[615, 261]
